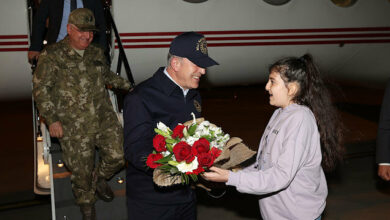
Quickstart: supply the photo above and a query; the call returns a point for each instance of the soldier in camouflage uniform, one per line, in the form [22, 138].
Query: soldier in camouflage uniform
[69, 89]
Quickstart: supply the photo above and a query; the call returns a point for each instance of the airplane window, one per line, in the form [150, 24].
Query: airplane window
[195, 1]
[277, 2]
[344, 3]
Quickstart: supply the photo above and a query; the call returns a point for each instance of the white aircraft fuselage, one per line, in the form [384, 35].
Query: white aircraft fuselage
[245, 37]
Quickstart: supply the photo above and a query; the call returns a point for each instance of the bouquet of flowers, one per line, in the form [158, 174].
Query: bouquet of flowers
[185, 152]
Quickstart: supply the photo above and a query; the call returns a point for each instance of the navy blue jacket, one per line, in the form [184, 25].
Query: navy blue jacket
[157, 99]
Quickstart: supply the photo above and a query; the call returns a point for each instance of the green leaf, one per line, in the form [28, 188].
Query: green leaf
[163, 133]
[194, 177]
[170, 141]
[173, 163]
[169, 147]
[165, 167]
[164, 159]
[192, 129]
[185, 177]
[208, 137]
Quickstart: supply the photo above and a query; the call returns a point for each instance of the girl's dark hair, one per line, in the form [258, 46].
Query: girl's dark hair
[313, 93]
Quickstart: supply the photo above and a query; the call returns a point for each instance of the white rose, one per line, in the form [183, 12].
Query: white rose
[187, 167]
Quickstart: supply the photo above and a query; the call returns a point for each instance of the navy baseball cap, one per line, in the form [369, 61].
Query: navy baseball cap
[192, 46]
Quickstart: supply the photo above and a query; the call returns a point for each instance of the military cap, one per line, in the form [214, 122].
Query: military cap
[83, 19]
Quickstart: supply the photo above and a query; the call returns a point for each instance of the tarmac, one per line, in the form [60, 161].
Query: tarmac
[355, 191]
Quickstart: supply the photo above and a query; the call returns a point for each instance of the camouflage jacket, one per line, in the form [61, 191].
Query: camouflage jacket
[67, 87]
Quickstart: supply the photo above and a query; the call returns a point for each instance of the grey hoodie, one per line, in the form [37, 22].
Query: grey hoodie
[288, 170]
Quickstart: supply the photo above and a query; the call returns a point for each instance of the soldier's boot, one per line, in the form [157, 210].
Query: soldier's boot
[103, 190]
[88, 212]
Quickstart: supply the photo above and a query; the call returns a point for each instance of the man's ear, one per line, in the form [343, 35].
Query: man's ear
[175, 63]
[293, 88]
[68, 28]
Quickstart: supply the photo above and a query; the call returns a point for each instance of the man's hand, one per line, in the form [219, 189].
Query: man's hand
[55, 129]
[384, 172]
[32, 55]
[218, 175]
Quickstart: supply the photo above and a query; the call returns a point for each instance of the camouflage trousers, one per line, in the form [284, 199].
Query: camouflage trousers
[78, 153]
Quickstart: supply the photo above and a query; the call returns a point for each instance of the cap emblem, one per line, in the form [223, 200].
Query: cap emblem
[88, 19]
[202, 45]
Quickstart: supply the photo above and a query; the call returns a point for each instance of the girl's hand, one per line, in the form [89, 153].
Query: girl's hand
[217, 175]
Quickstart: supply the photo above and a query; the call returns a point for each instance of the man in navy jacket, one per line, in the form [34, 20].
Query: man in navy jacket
[169, 96]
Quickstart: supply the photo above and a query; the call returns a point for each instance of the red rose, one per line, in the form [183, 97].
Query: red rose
[196, 171]
[201, 146]
[152, 158]
[190, 159]
[182, 151]
[215, 152]
[178, 131]
[205, 159]
[159, 143]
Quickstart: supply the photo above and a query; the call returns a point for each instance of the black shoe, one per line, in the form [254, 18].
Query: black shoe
[104, 190]
[88, 212]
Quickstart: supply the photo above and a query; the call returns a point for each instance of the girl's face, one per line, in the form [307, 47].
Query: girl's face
[279, 94]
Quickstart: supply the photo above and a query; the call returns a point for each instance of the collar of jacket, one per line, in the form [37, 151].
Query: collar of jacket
[168, 86]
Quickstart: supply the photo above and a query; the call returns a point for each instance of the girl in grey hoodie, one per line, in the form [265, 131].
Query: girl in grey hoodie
[301, 140]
